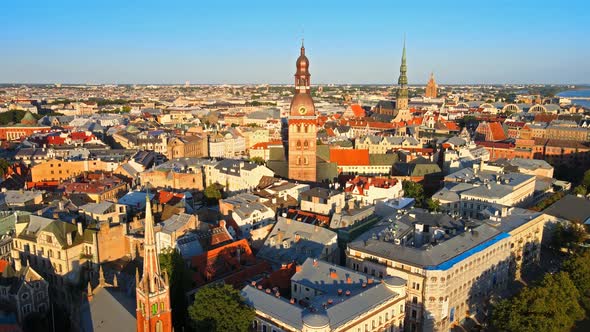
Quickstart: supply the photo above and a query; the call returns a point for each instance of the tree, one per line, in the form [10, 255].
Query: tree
[212, 193]
[586, 179]
[433, 205]
[578, 268]
[4, 164]
[220, 307]
[553, 306]
[257, 160]
[172, 262]
[580, 190]
[413, 190]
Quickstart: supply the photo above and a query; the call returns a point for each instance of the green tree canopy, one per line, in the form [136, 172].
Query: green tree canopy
[578, 268]
[212, 192]
[219, 308]
[552, 306]
[171, 261]
[433, 205]
[413, 190]
[4, 164]
[257, 160]
[580, 190]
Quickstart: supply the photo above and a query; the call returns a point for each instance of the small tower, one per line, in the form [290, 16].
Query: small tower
[152, 290]
[302, 125]
[431, 88]
[402, 90]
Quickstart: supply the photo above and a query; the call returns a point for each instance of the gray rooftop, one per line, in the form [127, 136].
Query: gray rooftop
[312, 240]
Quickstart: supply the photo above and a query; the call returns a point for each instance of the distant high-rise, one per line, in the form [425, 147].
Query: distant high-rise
[431, 88]
[302, 125]
[153, 310]
[402, 90]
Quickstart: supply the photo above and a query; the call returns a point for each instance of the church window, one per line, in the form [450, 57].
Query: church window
[306, 128]
[305, 145]
[154, 309]
[305, 161]
[298, 145]
[298, 160]
[298, 128]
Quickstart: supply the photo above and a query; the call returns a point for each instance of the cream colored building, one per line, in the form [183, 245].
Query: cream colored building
[381, 144]
[327, 298]
[455, 278]
[235, 175]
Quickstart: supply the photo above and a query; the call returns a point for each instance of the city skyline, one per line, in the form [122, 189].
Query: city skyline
[235, 43]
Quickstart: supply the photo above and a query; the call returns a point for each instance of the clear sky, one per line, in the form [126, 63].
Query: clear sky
[214, 41]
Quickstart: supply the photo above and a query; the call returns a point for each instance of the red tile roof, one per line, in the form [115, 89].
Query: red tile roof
[358, 111]
[497, 132]
[362, 183]
[3, 265]
[350, 156]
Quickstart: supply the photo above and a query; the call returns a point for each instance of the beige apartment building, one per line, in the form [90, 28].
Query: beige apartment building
[448, 279]
[59, 170]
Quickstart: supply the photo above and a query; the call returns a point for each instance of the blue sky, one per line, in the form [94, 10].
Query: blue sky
[129, 41]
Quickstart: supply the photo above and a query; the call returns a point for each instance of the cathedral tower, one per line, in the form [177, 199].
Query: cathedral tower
[152, 290]
[431, 88]
[302, 125]
[402, 90]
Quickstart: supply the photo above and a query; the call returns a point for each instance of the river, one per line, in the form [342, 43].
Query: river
[577, 93]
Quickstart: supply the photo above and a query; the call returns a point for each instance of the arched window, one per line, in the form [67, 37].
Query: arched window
[159, 326]
[305, 145]
[298, 160]
[305, 161]
[306, 128]
[298, 145]
[298, 128]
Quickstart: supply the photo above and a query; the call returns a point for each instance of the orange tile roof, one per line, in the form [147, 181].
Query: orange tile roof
[451, 125]
[357, 110]
[497, 131]
[349, 156]
[3, 265]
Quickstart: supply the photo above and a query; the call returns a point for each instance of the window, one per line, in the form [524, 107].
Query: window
[26, 309]
[154, 309]
[415, 300]
[159, 326]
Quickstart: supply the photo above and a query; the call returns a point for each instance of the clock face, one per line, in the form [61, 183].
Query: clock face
[302, 110]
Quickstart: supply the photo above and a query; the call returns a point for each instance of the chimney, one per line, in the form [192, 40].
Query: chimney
[80, 231]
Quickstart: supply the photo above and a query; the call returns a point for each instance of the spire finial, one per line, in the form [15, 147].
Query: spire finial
[101, 280]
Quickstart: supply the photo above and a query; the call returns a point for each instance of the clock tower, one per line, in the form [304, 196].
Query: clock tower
[302, 125]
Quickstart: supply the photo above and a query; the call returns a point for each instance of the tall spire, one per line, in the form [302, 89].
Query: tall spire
[403, 68]
[151, 266]
[402, 91]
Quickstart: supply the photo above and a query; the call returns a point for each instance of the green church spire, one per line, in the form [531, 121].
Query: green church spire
[403, 78]
[402, 90]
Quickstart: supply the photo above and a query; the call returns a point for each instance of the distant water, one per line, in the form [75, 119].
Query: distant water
[577, 93]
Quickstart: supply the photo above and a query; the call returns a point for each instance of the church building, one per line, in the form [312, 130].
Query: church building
[302, 126]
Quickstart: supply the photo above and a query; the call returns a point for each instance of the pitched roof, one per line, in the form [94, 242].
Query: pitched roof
[349, 156]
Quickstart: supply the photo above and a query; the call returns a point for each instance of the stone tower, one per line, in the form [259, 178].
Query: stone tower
[152, 290]
[302, 125]
[402, 90]
[431, 88]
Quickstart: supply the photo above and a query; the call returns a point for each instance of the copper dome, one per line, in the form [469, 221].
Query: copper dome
[302, 63]
[302, 100]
